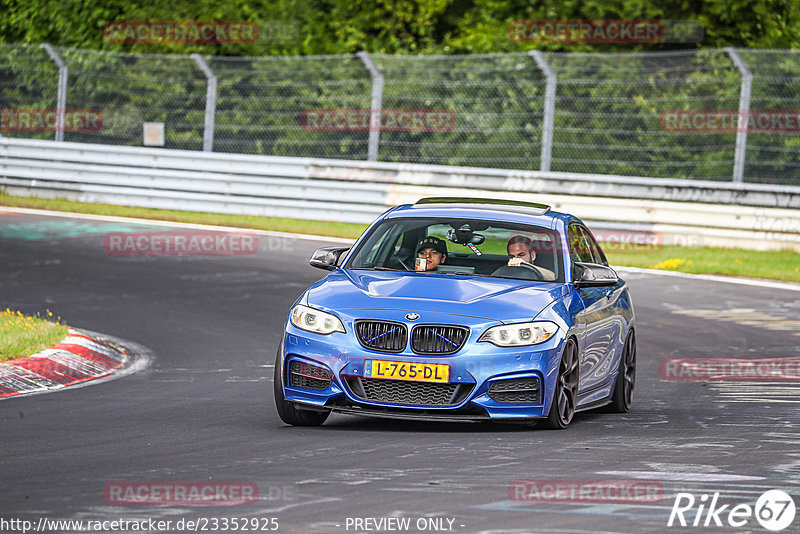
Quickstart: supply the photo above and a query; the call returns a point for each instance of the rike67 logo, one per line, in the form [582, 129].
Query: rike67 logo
[774, 510]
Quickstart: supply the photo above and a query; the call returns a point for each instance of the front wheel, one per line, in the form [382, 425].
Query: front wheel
[287, 411]
[626, 377]
[562, 409]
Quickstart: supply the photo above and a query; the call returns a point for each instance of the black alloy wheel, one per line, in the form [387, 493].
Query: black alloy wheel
[565, 396]
[626, 378]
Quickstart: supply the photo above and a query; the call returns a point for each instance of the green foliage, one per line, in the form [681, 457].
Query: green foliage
[291, 27]
[24, 335]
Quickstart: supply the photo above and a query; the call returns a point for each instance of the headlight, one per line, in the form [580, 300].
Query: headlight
[520, 334]
[316, 321]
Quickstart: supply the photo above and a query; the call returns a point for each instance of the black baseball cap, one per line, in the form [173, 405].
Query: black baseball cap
[433, 242]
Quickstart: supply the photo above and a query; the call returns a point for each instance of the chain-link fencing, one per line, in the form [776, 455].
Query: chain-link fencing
[710, 114]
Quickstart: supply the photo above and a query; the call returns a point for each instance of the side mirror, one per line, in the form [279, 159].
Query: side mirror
[327, 258]
[594, 275]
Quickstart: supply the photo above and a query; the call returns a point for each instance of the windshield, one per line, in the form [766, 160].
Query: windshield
[462, 246]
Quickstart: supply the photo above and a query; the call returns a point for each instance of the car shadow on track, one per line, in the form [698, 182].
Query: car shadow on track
[374, 424]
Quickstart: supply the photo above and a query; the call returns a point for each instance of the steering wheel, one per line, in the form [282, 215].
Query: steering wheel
[537, 274]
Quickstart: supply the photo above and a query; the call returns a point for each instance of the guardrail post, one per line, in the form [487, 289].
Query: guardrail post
[549, 108]
[61, 99]
[744, 111]
[211, 102]
[375, 106]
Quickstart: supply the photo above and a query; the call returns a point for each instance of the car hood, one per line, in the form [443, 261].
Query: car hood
[488, 298]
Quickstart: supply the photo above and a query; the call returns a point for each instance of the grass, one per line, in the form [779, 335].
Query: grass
[298, 226]
[769, 264]
[23, 335]
[776, 265]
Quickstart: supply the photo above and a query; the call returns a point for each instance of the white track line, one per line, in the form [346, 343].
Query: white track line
[154, 222]
[714, 278]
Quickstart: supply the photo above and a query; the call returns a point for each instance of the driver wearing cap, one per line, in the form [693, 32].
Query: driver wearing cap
[433, 251]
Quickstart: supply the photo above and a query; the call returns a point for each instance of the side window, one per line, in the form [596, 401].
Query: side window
[597, 252]
[578, 248]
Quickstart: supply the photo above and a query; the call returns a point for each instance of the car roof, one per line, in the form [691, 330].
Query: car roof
[482, 208]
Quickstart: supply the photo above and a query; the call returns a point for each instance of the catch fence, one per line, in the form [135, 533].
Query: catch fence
[649, 115]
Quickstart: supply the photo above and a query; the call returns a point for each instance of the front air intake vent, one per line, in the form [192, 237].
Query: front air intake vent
[408, 392]
[438, 339]
[383, 336]
[304, 375]
[516, 390]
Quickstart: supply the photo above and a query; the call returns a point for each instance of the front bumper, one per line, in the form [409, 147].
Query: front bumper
[473, 369]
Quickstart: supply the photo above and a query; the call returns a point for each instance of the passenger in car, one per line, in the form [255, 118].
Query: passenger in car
[521, 250]
[431, 252]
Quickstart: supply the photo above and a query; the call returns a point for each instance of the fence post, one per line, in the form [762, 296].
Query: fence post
[211, 102]
[549, 109]
[61, 99]
[375, 106]
[744, 111]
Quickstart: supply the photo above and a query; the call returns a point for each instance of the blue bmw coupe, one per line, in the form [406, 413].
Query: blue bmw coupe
[456, 309]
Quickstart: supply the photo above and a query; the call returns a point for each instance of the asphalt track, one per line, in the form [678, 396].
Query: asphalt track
[203, 409]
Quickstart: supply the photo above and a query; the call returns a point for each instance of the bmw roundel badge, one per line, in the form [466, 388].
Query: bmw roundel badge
[412, 316]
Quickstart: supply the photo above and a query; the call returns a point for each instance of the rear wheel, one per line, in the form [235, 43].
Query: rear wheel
[288, 412]
[562, 409]
[626, 378]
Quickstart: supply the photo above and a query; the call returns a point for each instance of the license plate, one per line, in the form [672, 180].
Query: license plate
[420, 372]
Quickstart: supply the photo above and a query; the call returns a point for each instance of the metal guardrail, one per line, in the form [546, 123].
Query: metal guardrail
[750, 215]
[605, 113]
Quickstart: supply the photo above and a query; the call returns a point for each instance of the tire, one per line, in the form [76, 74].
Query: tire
[626, 377]
[288, 412]
[562, 408]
